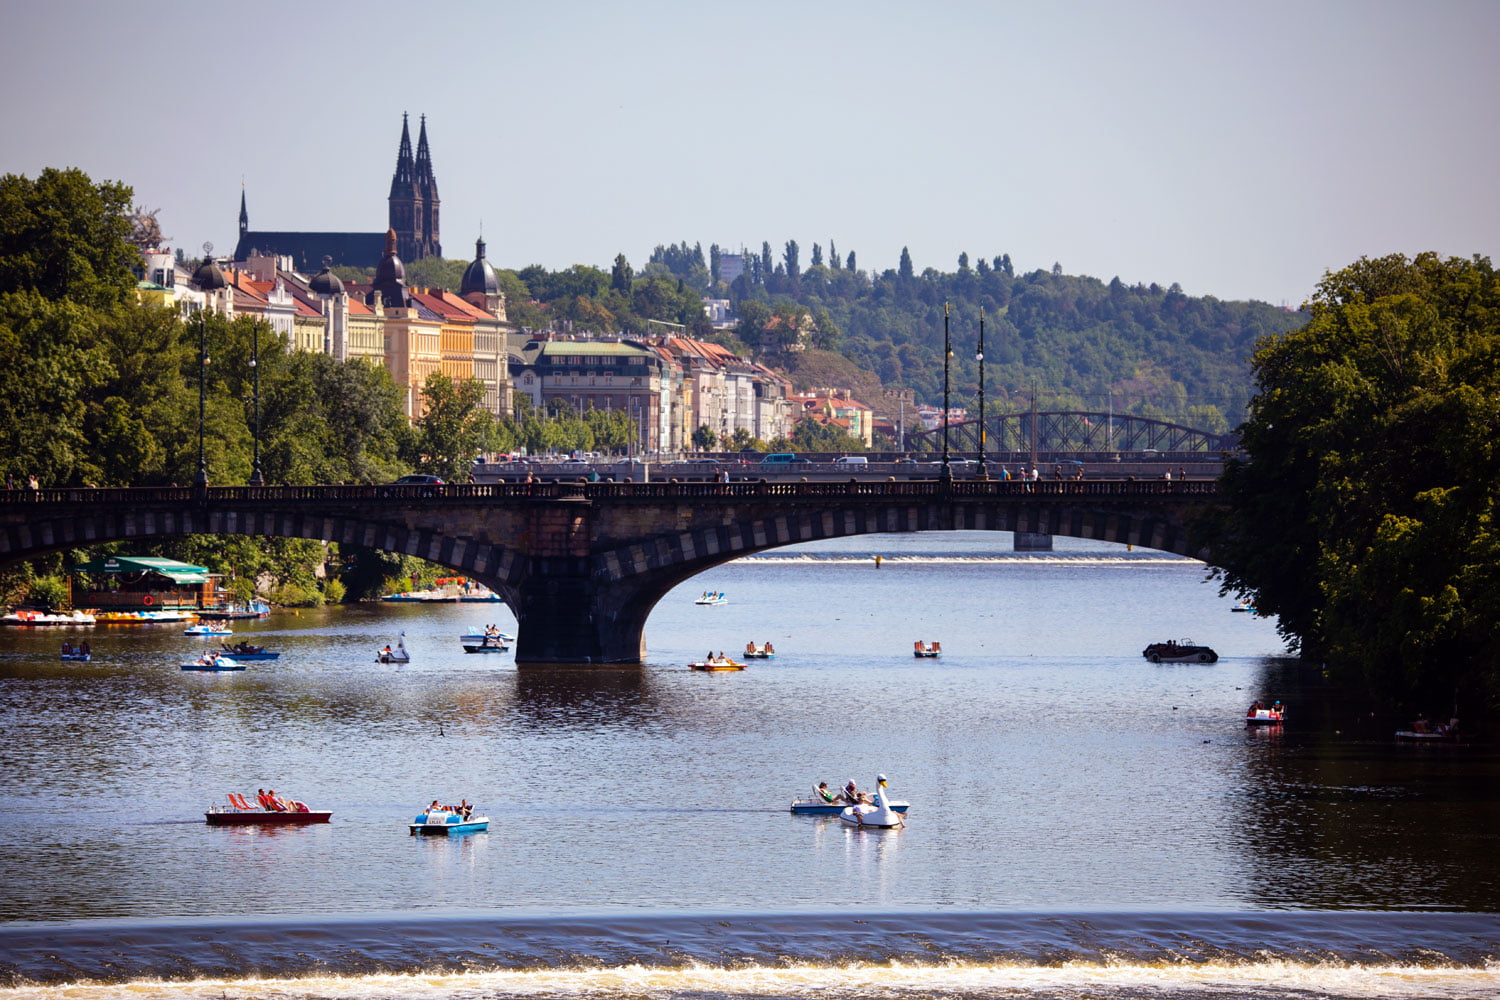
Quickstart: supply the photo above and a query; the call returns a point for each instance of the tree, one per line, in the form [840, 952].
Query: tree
[849, 264]
[1365, 514]
[905, 268]
[817, 255]
[453, 428]
[704, 438]
[792, 268]
[833, 256]
[66, 237]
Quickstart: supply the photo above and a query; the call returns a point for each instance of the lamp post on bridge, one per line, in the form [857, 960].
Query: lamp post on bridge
[982, 472]
[209, 279]
[947, 472]
[255, 477]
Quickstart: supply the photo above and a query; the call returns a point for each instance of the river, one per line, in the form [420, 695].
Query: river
[1083, 823]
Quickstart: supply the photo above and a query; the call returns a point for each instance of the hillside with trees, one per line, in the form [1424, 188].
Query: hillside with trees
[1076, 341]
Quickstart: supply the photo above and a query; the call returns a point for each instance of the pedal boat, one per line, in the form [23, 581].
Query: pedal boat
[205, 629]
[817, 807]
[493, 644]
[930, 650]
[396, 655]
[1265, 717]
[233, 816]
[712, 597]
[245, 651]
[880, 814]
[218, 664]
[754, 652]
[717, 664]
[444, 822]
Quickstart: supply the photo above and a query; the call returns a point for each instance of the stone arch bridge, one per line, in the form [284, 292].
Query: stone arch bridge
[582, 564]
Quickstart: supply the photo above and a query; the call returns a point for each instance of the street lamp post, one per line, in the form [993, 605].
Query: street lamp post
[209, 279]
[947, 472]
[983, 472]
[255, 477]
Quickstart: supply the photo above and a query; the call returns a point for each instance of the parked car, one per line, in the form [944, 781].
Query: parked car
[784, 458]
[851, 460]
[419, 480]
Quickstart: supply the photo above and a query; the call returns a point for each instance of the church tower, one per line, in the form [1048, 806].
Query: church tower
[414, 198]
[244, 215]
[430, 241]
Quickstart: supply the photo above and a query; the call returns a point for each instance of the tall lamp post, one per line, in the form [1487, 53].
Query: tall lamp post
[983, 472]
[255, 477]
[947, 472]
[209, 279]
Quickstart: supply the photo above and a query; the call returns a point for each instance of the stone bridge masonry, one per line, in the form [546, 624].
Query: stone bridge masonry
[581, 565]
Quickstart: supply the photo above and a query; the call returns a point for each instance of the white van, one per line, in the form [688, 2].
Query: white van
[851, 460]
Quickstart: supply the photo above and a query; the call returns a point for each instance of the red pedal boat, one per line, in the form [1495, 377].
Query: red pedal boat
[240, 812]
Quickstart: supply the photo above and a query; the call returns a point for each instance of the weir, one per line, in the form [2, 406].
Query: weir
[581, 565]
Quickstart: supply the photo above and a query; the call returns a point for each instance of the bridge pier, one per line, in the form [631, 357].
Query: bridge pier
[564, 616]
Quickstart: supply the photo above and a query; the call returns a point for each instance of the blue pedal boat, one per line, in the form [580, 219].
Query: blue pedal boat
[210, 663]
[244, 651]
[444, 822]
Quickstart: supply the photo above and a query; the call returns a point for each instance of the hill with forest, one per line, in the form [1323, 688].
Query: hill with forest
[1075, 341]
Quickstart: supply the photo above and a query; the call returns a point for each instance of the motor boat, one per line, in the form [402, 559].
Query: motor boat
[754, 652]
[444, 822]
[214, 663]
[203, 628]
[879, 813]
[1179, 651]
[931, 650]
[717, 663]
[712, 597]
[394, 655]
[240, 812]
[245, 651]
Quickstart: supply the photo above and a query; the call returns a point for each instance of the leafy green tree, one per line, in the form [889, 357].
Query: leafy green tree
[435, 272]
[905, 268]
[453, 428]
[704, 438]
[67, 238]
[1365, 515]
[620, 276]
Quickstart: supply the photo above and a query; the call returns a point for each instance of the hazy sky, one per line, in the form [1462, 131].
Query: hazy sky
[1240, 149]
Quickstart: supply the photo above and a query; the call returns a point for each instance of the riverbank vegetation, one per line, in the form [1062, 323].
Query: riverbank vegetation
[1364, 513]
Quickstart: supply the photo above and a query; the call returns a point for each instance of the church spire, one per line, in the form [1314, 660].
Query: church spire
[405, 168]
[244, 215]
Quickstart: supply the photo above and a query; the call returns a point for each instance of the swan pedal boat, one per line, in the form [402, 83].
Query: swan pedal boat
[880, 814]
[229, 816]
[394, 655]
[34, 618]
[717, 664]
[443, 822]
[219, 664]
[817, 807]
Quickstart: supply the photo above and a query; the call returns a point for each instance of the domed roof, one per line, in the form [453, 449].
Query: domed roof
[390, 269]
[325, 282]
[479, 276]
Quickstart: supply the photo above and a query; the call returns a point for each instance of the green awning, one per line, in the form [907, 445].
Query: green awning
[177, 572]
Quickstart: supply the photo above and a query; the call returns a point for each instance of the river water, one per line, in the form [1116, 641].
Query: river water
[1083, 823]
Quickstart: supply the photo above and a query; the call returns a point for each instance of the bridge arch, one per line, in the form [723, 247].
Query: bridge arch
[581, 565]
[1075, 432]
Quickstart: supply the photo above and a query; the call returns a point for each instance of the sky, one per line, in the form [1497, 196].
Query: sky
[1239, 149]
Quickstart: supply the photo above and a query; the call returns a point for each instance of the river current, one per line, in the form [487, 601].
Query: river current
[1083, 823]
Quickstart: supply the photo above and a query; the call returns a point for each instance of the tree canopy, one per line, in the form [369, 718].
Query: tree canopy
[1364, 516]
